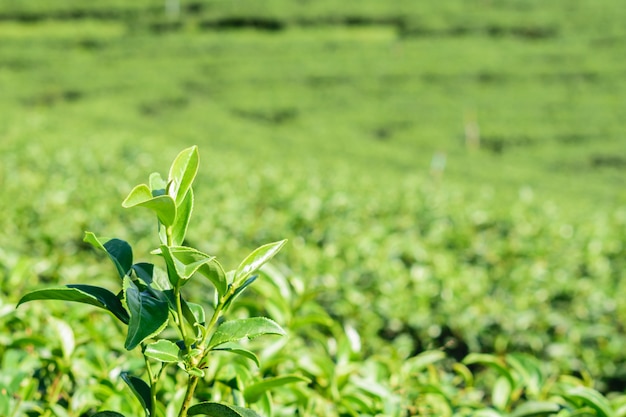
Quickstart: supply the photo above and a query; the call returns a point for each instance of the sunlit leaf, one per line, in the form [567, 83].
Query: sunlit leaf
[233, 330]
[163, 206]
[536, 408]
[163, 350]
[256, 259]
[183, 215]
[182, 173]
[593, 399]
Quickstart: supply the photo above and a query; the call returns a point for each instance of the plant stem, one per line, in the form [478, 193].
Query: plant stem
[181, 318]
[192, 383]
[153, 386]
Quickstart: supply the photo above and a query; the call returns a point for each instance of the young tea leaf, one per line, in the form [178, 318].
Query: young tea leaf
[231, 331]
[141, 390]
[163, 205]
[119, 251]
[256, 259]
[182, 173]
[183, 215]
[148, 315]
[220, 410]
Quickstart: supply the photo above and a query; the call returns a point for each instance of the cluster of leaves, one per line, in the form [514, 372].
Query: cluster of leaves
[150, 298]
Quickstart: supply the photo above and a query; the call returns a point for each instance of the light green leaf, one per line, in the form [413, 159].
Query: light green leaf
[231, 331]
[220, 410]
[501, 394]
[252, 393]
[163, 205]
[163, 350]
[148, 315]
[256, 259]
[86, 294]
[157, 184]
[141, 389]
[119, 251]
[239, 350]
[183, 215]
[182, 173]
[183, 262]
[593, 399]
[536, 408]
[421, 361]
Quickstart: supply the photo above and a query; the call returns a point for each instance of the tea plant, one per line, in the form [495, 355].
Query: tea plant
[151, 299]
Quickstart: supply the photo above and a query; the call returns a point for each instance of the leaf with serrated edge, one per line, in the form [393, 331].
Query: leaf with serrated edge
[252, 393]
[220, 410]
[233, 330]
[163, 350]
[119, 251]
[141, 389]
[148, 315]
[256, 259]
[182, 173]
[163, 205]
[85, 294]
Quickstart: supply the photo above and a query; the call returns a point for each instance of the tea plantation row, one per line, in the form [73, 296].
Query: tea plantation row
[420, 160]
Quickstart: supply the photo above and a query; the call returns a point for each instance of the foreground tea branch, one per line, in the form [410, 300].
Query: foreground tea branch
[152, 299]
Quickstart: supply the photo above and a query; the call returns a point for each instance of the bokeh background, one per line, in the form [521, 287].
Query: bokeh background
[450, 174]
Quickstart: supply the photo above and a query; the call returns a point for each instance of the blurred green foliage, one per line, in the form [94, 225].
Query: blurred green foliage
[450, 176]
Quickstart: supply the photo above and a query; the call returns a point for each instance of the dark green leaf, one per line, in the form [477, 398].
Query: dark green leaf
[220, 410]
[86, 294]
[152, 276]
[163, 205]
[148, 315]
[119, 251]
[253, 392]
[163, 350]
[141, 389]
[107, 414]
[182, 173]
[256, 259]
[231, 331]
